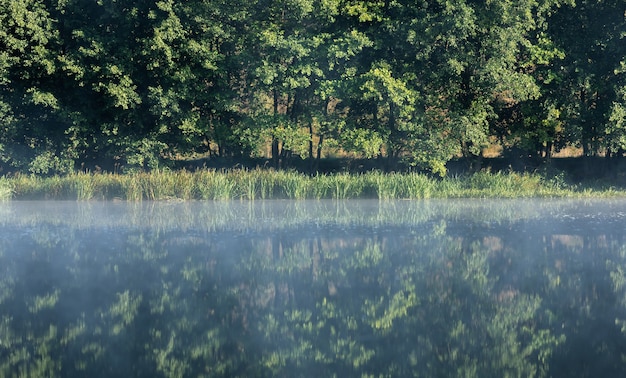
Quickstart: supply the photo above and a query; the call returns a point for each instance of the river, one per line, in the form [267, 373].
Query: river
[445, 288]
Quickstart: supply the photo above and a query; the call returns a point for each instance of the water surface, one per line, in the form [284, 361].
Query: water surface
[470, 288]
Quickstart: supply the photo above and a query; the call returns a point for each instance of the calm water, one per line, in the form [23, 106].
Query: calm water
[466, 288]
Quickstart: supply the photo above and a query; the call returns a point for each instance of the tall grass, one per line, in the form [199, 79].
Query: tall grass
[213, 185]
[5, 189]
[269, 184]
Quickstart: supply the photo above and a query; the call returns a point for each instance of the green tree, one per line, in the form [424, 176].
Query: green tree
[140, 78]
[33, 129]
[436, 73]
[591, 35]
[476, 59]
[282, 70]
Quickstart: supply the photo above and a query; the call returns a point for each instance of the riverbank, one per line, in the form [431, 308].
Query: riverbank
[269, 184]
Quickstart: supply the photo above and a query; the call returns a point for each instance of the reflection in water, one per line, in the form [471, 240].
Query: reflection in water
[320, 288]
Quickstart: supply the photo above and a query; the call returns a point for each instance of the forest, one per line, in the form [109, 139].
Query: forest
[112, 83]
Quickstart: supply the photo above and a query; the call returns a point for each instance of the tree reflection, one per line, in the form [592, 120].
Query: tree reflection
[439, 295]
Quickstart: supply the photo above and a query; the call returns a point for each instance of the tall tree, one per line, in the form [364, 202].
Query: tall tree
[145, 80]
[591, 34]
[479, 57]
[282, 42]
[33, 133]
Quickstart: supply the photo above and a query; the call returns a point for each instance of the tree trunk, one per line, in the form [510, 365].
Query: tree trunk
[275, 146]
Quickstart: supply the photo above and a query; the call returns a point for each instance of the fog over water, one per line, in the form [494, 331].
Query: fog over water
[473, 288]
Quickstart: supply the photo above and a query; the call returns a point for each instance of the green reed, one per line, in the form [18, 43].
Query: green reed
[5, 189]
[269, 184]
[213, 185]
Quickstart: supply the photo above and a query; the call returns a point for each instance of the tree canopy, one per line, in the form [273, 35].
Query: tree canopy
[86, 82]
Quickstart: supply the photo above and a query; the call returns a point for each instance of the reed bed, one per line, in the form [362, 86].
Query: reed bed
[5, 189]
[269, 184]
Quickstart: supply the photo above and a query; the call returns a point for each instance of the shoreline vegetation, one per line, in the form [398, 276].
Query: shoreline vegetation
[261, 184]
[87, 84]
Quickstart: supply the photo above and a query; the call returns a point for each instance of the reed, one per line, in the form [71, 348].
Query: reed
[420, 186]
[291, 185]
[341, 186]
[387, 186]
[270, 184]
[267, 185]
[84, 185]
[213, 185]
[5, 189]
[247, 184]
[34, 187]
[130, 187]
[337, 186]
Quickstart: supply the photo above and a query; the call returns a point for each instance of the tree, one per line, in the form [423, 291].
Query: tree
[478, 59]
[282, 40]
[33, 130]
[591, 35]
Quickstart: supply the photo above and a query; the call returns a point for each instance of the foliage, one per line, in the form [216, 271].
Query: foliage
[109, 84]
[166, 184]
[5, 189]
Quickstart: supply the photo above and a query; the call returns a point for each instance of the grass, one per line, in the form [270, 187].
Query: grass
[5, 189]
[269, 184]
